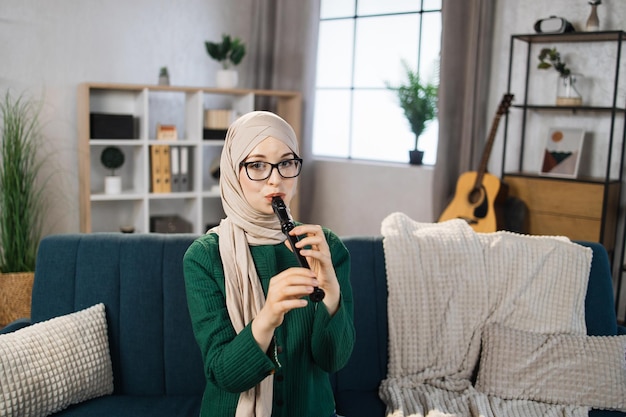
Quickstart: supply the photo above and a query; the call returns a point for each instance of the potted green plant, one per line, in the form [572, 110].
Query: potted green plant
[164, 76]
[567, 92]
[22, 205]
[551, 58]
[229, 52]
[418, 99]
[112, 158]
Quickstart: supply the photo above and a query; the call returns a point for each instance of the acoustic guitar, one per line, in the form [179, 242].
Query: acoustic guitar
[479, 196]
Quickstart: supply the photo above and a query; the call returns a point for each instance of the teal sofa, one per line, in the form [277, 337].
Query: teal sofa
[157, 368]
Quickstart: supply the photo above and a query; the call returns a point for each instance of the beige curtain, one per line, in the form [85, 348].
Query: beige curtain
[464, 80]
[284, 53]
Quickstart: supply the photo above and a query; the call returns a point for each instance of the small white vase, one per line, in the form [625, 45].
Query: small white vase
[227, 78]
[112, 184]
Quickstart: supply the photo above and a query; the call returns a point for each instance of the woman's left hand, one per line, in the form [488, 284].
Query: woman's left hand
[319, 259]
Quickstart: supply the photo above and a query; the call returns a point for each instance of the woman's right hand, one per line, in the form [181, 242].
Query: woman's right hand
[286, 292]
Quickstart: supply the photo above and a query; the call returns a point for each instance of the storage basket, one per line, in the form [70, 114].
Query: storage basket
[15, 296]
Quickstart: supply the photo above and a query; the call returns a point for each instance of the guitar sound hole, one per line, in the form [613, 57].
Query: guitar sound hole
[475, 196]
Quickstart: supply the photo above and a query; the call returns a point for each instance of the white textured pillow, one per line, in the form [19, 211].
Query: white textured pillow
[559, 369]
[48, 366]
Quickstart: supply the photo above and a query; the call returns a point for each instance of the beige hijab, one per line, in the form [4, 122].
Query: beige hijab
[245, 226]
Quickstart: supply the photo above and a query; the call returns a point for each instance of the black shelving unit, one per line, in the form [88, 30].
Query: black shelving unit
[614, 110]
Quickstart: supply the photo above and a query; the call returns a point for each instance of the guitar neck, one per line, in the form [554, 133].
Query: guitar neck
[487, 151]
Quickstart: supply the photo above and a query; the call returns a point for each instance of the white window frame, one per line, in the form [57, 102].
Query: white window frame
[345, 147]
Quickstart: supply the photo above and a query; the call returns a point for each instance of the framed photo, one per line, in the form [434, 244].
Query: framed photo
[561, 155]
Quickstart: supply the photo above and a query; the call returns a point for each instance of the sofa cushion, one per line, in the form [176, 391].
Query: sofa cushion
[553, 368]
[48, 366]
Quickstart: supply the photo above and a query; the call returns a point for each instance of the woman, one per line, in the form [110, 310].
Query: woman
[267, 349]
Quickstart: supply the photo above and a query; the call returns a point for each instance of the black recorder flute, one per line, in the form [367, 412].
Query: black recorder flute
[286, 224]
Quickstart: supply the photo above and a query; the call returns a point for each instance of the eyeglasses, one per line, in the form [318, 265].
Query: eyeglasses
[261, 170]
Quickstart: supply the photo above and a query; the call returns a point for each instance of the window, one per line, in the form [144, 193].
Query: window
[362, 44]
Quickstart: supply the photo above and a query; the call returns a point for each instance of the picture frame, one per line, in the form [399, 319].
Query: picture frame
[562, 151]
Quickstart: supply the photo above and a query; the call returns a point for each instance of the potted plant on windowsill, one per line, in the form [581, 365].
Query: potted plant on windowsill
[418, 99]
[229, 52]
[22, 205]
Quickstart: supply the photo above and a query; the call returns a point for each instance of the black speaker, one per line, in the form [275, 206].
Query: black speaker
[112, 126]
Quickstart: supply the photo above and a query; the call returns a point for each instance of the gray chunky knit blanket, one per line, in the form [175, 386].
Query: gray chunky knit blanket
[446, 284]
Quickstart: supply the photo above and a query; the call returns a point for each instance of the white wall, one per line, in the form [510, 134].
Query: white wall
[352, 198]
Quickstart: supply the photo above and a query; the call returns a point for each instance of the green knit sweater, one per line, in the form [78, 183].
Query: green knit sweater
[308, 345]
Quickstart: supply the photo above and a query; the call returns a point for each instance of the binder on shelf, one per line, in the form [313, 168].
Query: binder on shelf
[161, 163]
[175, 165]
[156, 175]
[185, 180]
[166, 169]
[160, 169]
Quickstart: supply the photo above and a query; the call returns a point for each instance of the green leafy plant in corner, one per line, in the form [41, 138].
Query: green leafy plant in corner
[22, 202]
[230, 51]
[418, 99]
[551, 58]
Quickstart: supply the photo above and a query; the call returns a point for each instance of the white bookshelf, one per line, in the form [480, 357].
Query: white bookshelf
[151, 105]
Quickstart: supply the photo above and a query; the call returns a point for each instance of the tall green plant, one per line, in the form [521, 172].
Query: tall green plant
[21, 199]
[418, 99]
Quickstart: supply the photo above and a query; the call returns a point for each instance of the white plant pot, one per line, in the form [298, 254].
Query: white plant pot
[227, 78]
[112, 184]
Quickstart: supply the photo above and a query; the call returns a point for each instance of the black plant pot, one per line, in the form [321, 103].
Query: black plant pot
[415, 157]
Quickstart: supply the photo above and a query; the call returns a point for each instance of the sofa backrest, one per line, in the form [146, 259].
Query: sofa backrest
[600, 314]
[356, 385]
[139, 278]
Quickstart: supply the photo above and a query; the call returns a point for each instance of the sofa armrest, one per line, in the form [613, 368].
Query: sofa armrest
[15, 325]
